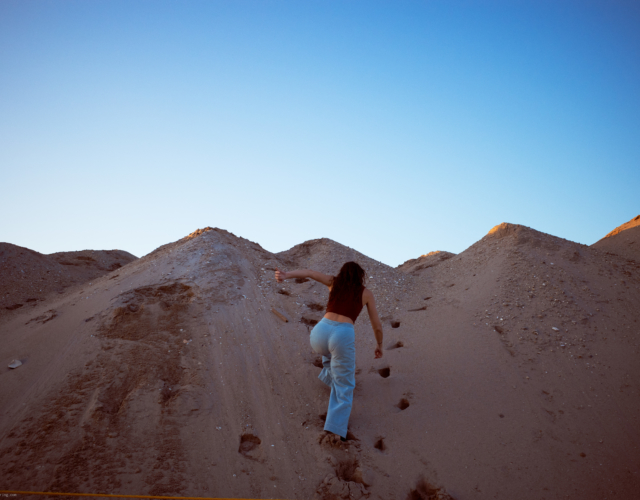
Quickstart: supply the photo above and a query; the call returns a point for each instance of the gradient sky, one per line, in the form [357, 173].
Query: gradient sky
[395, 128]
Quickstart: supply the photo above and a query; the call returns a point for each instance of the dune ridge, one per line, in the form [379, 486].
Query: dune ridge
[29, 277]
[623, 240]
[510, 370]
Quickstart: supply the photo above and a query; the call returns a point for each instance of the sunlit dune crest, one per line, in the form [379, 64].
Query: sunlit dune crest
[502, 226]
[623, 240]
[198, 232]
[435, 252]
[635, 222]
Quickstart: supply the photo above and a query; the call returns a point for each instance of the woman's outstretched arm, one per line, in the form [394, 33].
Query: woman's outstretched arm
[370, 301]
[303, 273]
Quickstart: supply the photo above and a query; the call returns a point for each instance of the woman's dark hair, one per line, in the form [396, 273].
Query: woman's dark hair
[347, 282]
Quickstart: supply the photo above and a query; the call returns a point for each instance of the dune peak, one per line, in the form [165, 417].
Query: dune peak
[627, 225]
[506, 228]
[198, 232]
[624, 240]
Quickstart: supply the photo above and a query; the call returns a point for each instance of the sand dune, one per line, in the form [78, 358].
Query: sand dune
[510, 370]
[623, 240]
[29, 277]
[424, 261]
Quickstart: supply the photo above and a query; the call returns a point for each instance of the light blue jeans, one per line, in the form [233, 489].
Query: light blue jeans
[336, 342]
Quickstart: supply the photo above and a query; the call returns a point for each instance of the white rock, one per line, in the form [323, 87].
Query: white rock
[15, 363]
[555, 329]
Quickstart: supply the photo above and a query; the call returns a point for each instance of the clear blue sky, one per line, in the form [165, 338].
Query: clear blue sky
[394, 127]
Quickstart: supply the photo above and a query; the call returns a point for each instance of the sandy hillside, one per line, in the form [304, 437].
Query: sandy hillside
[623, 240]
[425, 261]
[511, 370]
[29, 277]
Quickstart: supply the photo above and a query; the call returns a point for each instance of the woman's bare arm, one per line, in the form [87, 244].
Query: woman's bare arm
[304, 273]
[370, 301]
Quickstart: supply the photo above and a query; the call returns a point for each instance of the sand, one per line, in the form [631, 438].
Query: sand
[29, 277]
[623, 240]
[425, 261]
[510, 370]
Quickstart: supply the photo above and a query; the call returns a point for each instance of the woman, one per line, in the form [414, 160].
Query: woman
[334, 337]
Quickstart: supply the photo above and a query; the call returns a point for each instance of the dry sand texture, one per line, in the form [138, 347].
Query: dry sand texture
[29, 277]
[425, 261]
[623, 240]
[510, 371]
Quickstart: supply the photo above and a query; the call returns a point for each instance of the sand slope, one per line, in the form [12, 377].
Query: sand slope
[29, 277]
[511, 370]
[623, 240]
[424, 261]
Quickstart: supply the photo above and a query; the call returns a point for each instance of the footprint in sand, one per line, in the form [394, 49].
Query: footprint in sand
[332, 440]
[249, 445]
[403, 404]
[426, 491]
[348, 482]
[379, 444]
[308, 321]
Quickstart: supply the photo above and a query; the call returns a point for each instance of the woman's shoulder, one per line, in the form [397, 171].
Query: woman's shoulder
[367, 296]
[331, 281]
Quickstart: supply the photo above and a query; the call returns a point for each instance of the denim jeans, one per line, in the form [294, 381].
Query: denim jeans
[336, 342]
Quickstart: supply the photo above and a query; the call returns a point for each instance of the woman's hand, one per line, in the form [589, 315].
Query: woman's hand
[280, 275]
[378, 352]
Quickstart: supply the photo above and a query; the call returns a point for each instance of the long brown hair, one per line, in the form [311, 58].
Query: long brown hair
[348, 282]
